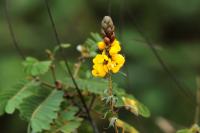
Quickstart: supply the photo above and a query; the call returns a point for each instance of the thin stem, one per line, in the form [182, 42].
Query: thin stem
[15, 43]
[69, 70]
[14, 40]
[196, 119]
[161, 62]
[77, 66]
[110, 90]
[47, 84]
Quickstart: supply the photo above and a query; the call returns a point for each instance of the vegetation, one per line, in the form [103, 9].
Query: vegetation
[88, 87]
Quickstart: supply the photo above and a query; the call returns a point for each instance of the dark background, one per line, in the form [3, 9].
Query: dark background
[172, 26]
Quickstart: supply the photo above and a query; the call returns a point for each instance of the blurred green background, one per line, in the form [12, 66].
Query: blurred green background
[172, 26]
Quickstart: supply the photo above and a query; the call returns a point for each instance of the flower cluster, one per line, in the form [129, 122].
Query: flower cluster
[108, 60]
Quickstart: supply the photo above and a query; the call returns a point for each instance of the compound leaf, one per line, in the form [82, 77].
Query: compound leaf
[33, 67]
[42, 109]
[10, 99]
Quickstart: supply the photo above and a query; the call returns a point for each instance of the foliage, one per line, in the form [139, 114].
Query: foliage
[34, 67]
[40, 110]
[194, 129]
[50, 107]
[150, 83]
[12, 98]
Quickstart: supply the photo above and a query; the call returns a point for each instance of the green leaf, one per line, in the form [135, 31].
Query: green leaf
[69, 113]
[91, 43]
[34, 67]
[132, 105]
[67, 122]
[96, 37]
[194, 129]
[10, 99]
[71, 126]
[42, 109]
[143, 110]
[98, 86]
[184, 131]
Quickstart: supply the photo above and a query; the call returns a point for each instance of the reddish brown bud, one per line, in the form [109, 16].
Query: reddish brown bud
[58, 85]
[108, 29]
[107, 40]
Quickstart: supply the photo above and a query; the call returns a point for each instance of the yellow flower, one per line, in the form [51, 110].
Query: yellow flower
[115, 47]
[101, 45]
[100, 68]
[98, 71]
[108, 60]
[98, 59]
[116, 63]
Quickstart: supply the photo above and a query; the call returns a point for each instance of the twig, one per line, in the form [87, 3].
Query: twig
[69, 70]
[47, 84]
[12, 32]
[161, 62]
[52, 67]
[15, 43]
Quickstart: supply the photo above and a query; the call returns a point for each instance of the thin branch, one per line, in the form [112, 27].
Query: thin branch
[12, 32]
[69, 70]
[15, 43]
[53, 73]
[161, 62]
[47, 85]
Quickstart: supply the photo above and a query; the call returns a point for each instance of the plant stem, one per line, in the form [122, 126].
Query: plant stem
[93, 124]
[78, 66]
[14, 40]
[110, 90]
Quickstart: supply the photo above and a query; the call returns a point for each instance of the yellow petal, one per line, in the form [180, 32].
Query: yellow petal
[118, 58]
[98, 70]
[98, 59]
[115, 42]
[115, 48]
[94, 73]
[115, 69]
[101, 45]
